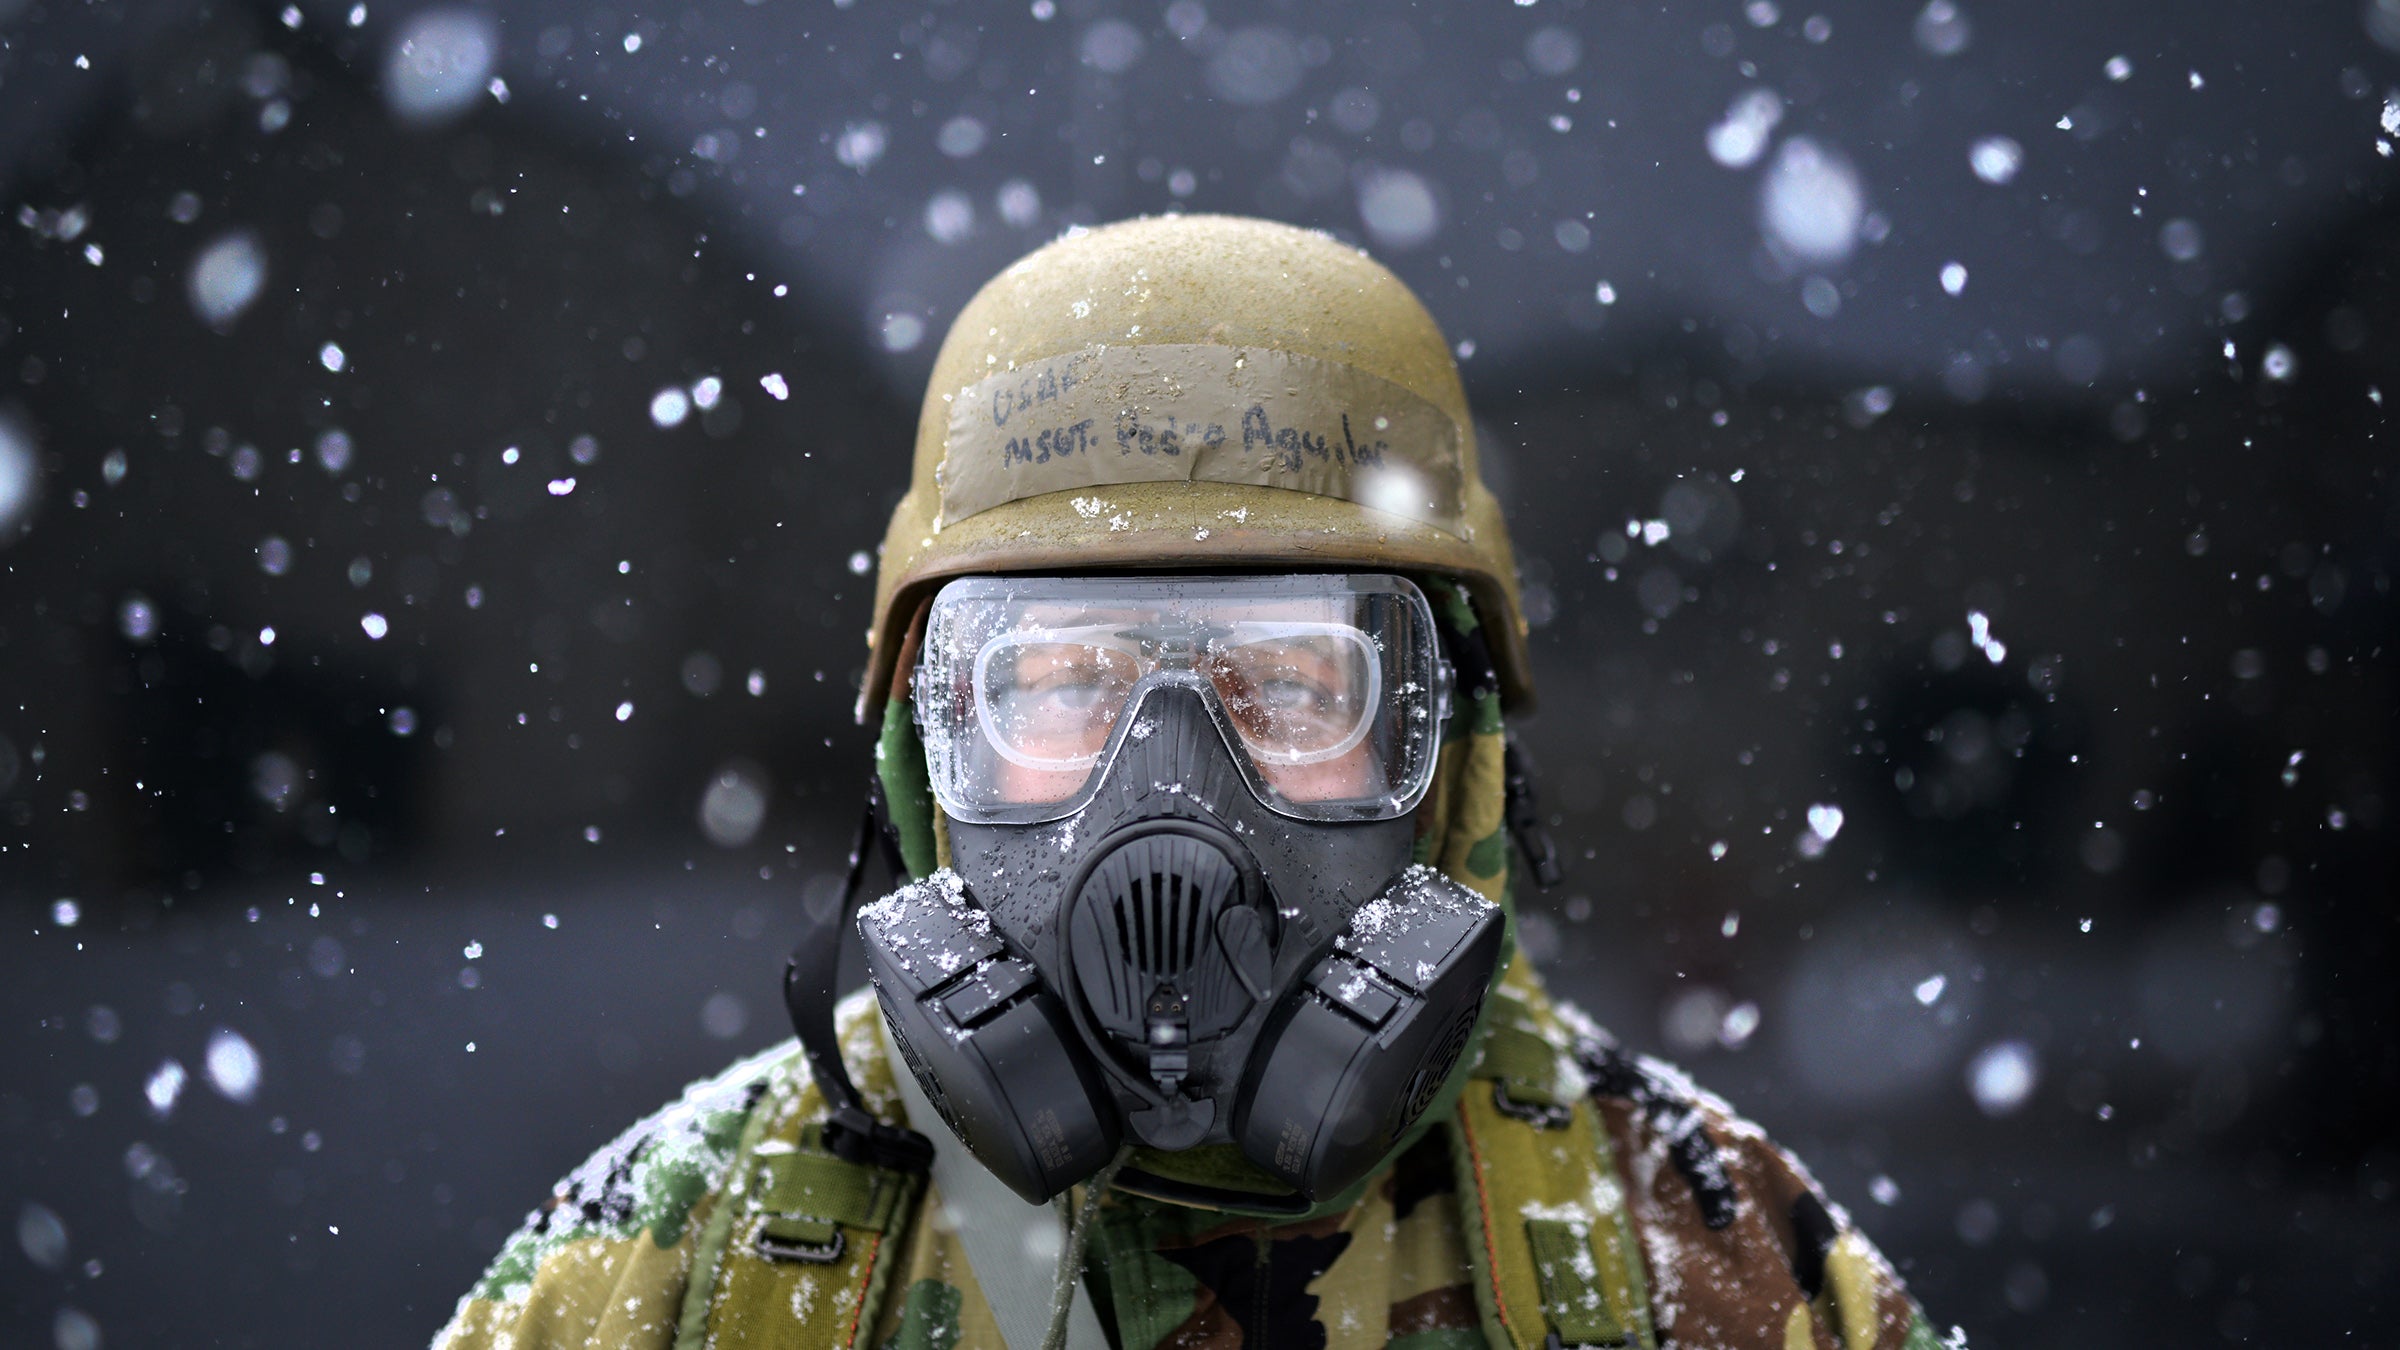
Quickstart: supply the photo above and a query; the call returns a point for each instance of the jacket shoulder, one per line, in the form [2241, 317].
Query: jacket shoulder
[606, 1259]
[1742, 1245]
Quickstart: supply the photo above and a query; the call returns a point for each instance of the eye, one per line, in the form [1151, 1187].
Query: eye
[1074, 695]
[1288, 692]
[1063, 678]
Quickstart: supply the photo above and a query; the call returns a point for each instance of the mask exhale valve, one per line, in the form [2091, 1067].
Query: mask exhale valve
[1166, 941]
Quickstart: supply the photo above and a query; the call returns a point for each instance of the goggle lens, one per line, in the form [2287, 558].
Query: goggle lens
[1297, 698]
[1051, 704]
[1330, 687]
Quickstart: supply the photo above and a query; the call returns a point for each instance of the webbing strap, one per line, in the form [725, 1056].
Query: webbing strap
[809, 1197]
[1584, 1290]
[1524, 1070]
[1553, 1249]
[1519, 1056]
[799, 1250]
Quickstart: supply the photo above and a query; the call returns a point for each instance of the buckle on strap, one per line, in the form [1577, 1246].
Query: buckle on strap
[1540, 1115]
[807, 1197]
[800, 1237]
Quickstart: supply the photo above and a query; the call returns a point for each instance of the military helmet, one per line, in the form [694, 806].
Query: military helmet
[1195, 393]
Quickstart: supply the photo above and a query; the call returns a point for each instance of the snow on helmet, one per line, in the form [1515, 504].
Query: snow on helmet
[1202, 393]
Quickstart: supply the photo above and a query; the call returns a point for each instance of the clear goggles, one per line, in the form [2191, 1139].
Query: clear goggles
[1330, 691]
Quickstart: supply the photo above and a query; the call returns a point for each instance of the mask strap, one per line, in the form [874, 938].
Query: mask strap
[852, 1133]
[1524, 814]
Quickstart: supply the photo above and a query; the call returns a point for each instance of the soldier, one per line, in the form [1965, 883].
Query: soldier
[1200, 1024]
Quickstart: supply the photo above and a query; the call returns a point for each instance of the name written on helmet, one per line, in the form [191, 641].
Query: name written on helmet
[1048, 384]
[1040, 447]
[1286, 447]
[1199, 413]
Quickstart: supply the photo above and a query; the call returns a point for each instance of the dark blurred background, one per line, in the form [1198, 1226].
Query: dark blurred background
[442, 449]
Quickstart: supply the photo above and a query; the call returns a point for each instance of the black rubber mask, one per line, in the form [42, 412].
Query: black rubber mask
[1176, 965]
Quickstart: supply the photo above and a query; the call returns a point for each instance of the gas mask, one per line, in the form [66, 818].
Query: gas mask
[1180, 909]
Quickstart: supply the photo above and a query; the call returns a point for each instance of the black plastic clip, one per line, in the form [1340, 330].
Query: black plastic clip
[853, 1135]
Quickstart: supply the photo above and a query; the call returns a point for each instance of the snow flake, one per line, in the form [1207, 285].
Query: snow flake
[2002, 1076]
[860, 145]
[1812, 202]
[1398, 208]
[1740, 137]
[226, 277]
[440, 61]
[1941, 30]
[1996, 159]
[901, 332]
[1020, 203]
[950, 216]
[233, 1065]
[1979, 632]
[164, 1087]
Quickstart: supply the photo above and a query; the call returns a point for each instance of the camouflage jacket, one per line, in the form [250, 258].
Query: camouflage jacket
[1578, 1196]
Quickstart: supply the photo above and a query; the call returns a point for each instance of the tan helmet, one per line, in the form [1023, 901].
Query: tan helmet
[1195, 393]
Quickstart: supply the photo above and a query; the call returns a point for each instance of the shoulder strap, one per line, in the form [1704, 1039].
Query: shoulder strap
[1555, 1259]
[798, 1254]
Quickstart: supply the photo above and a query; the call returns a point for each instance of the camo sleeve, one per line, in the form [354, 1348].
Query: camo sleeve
[605, 1261]
[1743, 1247]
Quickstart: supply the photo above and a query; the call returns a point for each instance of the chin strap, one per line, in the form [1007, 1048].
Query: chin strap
[852, 1133]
